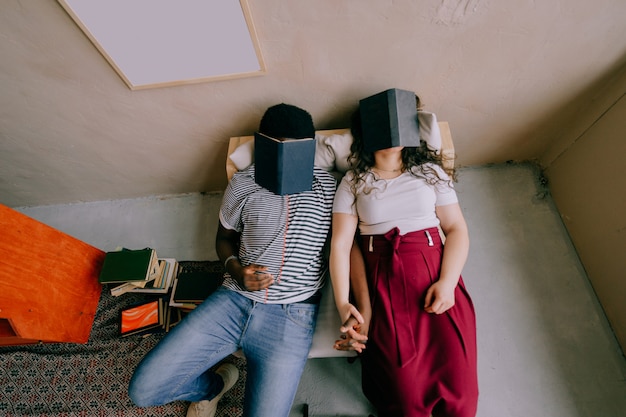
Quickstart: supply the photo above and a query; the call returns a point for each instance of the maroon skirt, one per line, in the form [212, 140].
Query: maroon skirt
[416, 363]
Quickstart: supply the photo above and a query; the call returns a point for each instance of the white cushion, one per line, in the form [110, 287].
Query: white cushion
[243, 156]
[331, 152]
[429, 129]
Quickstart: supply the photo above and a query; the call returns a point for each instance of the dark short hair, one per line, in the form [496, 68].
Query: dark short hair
[287, 121]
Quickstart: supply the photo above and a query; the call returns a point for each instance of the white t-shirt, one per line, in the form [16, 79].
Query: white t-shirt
[407, 202]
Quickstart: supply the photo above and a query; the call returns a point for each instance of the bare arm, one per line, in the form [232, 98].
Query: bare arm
[440, 296]
[251, 277]
[358, 282]
[344, 228]
[354, 333]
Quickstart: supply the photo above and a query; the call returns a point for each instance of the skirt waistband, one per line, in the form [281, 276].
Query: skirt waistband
[394, 240]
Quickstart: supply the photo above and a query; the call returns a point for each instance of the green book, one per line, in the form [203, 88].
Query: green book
[129, 265]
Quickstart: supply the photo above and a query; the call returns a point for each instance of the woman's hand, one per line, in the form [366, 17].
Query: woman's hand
[348, 311]
[439, 297]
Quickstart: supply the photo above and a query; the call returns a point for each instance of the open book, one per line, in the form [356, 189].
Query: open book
[284, 166]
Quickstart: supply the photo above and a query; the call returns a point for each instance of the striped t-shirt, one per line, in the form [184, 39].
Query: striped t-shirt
[286, 234]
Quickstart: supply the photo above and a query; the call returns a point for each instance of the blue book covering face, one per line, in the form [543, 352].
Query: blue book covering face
[284, 166]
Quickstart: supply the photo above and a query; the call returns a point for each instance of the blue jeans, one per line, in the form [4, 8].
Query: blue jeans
[275, 339]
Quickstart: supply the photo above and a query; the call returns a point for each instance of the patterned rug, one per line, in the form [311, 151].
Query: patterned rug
[64, 379]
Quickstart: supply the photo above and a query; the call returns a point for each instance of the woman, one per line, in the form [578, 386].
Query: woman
[413, 308]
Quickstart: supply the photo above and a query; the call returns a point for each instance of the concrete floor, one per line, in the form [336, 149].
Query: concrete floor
[545, 346]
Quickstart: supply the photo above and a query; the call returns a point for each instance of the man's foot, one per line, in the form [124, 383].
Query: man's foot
[206, 408]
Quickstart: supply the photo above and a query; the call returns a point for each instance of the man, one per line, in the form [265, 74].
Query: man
[272, 247]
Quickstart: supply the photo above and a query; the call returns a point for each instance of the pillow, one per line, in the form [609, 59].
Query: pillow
[429, 129]
[332, 147]
[331, 152]
[243, 156]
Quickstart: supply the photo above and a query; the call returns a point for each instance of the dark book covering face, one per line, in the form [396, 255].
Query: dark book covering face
[284, 167]
[389, 119]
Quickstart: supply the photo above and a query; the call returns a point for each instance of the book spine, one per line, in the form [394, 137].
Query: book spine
[280, 171]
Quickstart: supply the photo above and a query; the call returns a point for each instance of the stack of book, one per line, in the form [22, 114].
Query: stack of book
[170, 290]
[138, 270]
[141, 271]
[159, 283]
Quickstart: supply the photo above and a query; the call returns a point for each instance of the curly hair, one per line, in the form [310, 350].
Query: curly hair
[415, 160]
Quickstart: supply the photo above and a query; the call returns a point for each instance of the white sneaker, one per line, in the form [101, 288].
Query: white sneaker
[206, 408]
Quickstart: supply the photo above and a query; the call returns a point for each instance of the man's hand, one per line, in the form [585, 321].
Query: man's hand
[254, 277]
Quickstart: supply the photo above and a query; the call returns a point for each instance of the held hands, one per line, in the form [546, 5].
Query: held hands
[439, 297]
[354, 330]
[254, 277]
[354, 336]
